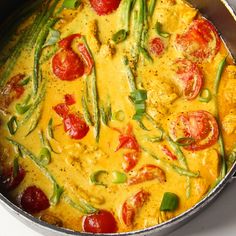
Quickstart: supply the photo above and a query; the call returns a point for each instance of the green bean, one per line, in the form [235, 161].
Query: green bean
[86, 112]
[130, 74]
[95, 96]
[38, 49]
[82, 206]
[35, 105]
[220, 70]
[151, 8]
[37, 162]
[146, 54]
[34, 121]
[126, 12]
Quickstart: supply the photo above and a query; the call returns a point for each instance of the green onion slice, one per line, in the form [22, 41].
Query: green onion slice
[71, 4]
[159, 31]
[119, 177]
[185, 141]
[118, 115]
[138, 95]
[12, 125]
[57, 192]
[120, 36]
[53, 37]
[94, 177]
[205, 95]
[50, 130]
[170, 202]
[45, 156]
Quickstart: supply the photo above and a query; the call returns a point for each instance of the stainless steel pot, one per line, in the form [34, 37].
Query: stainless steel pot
[223, 14]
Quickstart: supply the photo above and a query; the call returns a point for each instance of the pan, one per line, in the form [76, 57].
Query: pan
[223, 14]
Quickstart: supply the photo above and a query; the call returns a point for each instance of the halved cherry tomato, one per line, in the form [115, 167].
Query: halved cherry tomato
[167, 151]
[201, 41]
[69, 99]
[147, 173]
[127, 140]
[104, 7]
[67, 42]
[8, 181]
[67, 65]
[132, 205]
[101, 222]
[11, 91]
[157, 46]
[75, 126]
[191, 76]
[201, 126]
[34, 200]
[130, 161]
[61, 109]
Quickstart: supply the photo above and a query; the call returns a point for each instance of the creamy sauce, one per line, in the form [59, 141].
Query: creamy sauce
[75, 160]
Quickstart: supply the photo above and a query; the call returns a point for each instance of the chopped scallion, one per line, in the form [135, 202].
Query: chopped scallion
[94, 177]
[205, 95]
[159, 31]
[170, 202]
[119, 177]
[71, 4]
[120, 36]
[45, 156]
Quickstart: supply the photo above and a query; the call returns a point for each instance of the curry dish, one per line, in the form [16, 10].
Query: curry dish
[115, 115]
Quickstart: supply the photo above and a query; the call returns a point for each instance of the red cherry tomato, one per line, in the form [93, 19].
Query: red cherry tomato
[67, 65]
[201, 41]
[132, 205]
[147, 173]
[168, 153]
[191, 76]
[201, 126]
[101, 222]
[61, 109]
[130, 161]
[12, 90]
[157, 46]
[69, 99]
[75, 126]
[127, 140]
[8, 181]
[104, 7]
[67, 42]
[33, 200]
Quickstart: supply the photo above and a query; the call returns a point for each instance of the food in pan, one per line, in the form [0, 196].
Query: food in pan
[115, 115]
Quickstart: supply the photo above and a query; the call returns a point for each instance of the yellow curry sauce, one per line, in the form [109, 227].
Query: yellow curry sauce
[118, 155]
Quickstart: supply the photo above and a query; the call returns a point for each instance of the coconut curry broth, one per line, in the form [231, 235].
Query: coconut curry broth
[62, 162]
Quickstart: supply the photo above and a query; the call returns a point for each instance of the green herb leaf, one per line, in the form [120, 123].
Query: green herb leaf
[53, 37]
